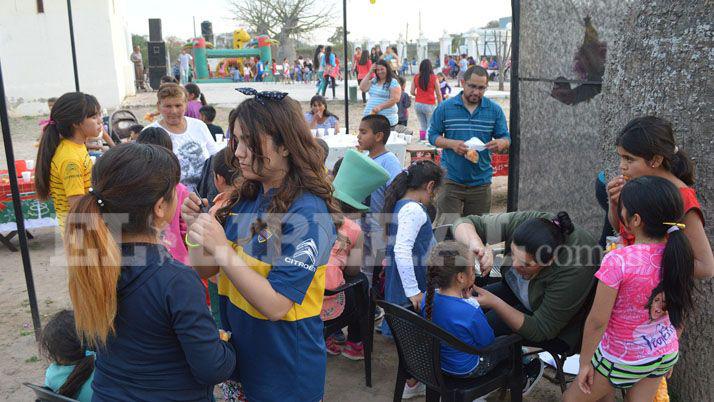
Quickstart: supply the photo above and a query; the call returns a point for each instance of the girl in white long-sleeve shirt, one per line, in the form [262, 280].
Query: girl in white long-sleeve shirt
[409, 233]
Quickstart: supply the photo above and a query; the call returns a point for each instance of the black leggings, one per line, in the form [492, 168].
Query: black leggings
[364, 97]
[328, 79]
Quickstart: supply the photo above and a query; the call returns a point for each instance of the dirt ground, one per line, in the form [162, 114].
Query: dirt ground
[22, 363]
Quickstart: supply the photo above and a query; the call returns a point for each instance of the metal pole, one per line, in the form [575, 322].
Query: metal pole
[16, 202]
[71, 41]
[346, 65]
[194, 27]
[515, 148]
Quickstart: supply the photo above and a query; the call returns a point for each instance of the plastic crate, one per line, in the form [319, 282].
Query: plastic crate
[499, 162]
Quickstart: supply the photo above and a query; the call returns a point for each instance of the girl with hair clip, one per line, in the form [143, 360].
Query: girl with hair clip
[72, 368]
[409, 234]
[143, 312]
[643, 296]
[450, 276]
[196, 100]
[646, 147]
[271, 245]
[64, 167]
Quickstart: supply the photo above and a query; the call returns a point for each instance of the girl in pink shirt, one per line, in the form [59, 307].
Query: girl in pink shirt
[173, 236]
[345, 258]
[630, 338]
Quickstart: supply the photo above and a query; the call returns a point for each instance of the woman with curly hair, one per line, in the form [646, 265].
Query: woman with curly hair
[271, 244]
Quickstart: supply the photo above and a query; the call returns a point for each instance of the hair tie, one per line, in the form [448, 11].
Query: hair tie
[674, 226]
[94, 193]
[406, 171]
[555, 222]
[676, 149]
[47, 122]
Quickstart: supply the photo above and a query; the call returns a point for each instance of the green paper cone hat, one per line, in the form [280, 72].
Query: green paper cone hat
[357, 178]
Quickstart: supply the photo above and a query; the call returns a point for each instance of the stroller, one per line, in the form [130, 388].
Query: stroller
[119, 124]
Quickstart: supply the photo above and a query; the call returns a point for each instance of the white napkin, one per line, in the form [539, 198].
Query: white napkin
[475, 143]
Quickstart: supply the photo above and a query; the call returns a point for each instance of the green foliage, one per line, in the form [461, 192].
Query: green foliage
[493, 24]
[138, 40]
[32, 359]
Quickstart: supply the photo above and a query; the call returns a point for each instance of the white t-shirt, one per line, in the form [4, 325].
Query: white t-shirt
[184, 59]
[192, 148]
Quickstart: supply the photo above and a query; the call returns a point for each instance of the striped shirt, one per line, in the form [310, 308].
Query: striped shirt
[379, 94]
[452, 120]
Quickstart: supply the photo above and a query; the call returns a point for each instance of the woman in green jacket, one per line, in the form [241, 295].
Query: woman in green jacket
[547, 274]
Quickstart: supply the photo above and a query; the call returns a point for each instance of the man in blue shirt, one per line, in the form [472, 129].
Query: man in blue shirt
[467, 188]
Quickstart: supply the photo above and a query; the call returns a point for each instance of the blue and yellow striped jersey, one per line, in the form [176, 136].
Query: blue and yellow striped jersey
[281, 360]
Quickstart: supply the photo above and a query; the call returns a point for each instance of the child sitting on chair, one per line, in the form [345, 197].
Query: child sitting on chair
[448, 303]
[72, 369]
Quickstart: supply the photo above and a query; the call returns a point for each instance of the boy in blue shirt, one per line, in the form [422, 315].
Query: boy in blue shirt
[373, 134]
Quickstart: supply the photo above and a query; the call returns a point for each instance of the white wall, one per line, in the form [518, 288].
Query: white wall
[37, 58]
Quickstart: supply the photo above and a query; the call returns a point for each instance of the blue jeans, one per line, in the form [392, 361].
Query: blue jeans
[423, 112]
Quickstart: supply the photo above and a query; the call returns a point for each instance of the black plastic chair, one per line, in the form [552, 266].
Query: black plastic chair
[362, 312]
[418, 344]
[558, 349]
[44, 394]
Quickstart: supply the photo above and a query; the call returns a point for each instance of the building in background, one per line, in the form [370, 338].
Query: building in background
[37, 57]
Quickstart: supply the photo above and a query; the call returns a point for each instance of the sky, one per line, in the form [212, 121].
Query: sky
[385, 19]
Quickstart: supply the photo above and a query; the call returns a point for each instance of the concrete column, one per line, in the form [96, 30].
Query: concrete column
[444, 47]
[422, 48]
[384, 44]
[472, 45]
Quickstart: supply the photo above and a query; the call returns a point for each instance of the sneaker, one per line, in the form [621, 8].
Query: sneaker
[332, 347]
[353, 350]
[339, 337]
[378, 313]
[418, 389]
[533, 372]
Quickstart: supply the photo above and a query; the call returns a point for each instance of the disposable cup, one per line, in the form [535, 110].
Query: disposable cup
[30, 163]
[26, 176]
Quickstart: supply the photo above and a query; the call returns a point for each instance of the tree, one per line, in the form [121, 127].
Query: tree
[502, 46]
[138, 40]
[492, 24]
[641, 55]
[173, 47]
[336, 40]
[284, 20]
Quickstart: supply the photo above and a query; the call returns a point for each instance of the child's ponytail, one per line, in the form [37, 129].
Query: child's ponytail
[415, 176]
[677, 273]
[127, 181]
[94, 263]
[395, 191]
[49, 141]
[194, 90]
[659, 204]
[78, 377]
[69, 110]
[446, 260]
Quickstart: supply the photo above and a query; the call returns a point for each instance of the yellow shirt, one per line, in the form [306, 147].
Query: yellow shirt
[70, 175]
